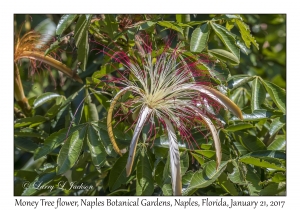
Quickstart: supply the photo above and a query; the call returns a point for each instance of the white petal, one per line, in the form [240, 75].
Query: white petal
[174, 159]
[215, 136]
[143, 117]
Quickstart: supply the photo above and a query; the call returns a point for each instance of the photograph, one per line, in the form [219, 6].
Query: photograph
[150, 105]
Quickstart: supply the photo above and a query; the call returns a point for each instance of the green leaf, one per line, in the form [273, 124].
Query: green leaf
[205, 177]
[266, 159]
[159, 174]
[29, 132]
[170, 25]
[279, 177]
[238, 80]
[241, 149]
[64, 23]
[53, 111]
[237, 175]
[96, 147]
[240, 97]
[238, 127]
[106, 69]
[29, 121]
[144, 179]
[242, 47]
[206, 153]
[54, 140]
[120, 192]
[25, 144]
[103, 100]
[257, 115]
[90, 109]
[227, 185]
[184, 162]
[227, 17]
[252, 143]
[273, 189]
[276, 125]
[258, 94]
[111, 26]
[146, 25]
[199, 158]
[166, 173]
[180, 18]
[83, 50]
[224, 55]
[105, 138]
[199, 38]
[70, 151]
[81, 39]
[277, 94]
[279, 143]
[186, 180]
[167, 190]
[227, 38]
[253, 178]
[54, 46]
[81, 28]
[25, 175]
[78, 170]
[246, 35]
[38, 183]
[117, 175]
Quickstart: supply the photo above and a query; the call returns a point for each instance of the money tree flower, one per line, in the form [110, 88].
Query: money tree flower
[166, 91]
[32, 46]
